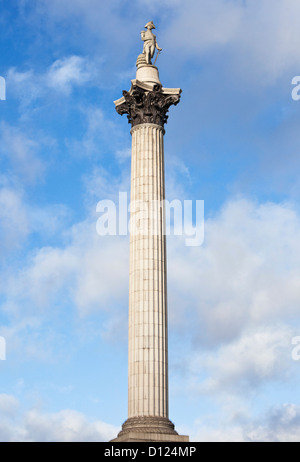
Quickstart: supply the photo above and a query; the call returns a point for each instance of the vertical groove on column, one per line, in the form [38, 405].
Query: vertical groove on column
[156, 345]
[150, 308]
[163, 282]
[157, 317]
[136, 282]
[134, 298]
[133, 257]
[164, 319]
[162, 268]
[150, 263]
[131, 291]
[142, 258]
[145, 282]
[159, 241]
[152, 381]
[141, 298]
[162, 277]
[146, 242]
[135, 275]
[161, 294]
[155, 283]
[155, 292]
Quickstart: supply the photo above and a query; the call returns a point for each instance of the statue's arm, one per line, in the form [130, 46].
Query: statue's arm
[159, 49]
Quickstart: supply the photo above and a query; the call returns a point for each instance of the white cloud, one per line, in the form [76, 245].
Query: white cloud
[85, 271]
[22, 152]
[281, 424]
[19, 218]
[61, 77]
[8, 404]
[246, 274]
[278, 424]
[256, 358]
[66, 426]
[219, 434]
[34, 425]
[97, 135]
[235, 301]
[23, 164]
[81, 273]
[123, 154]
[14, 223]
[100, 185]
[258, 38]
[101, 21]
[68, 72]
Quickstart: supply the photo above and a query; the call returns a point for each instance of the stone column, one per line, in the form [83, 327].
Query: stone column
[146, 105]
[148, 344]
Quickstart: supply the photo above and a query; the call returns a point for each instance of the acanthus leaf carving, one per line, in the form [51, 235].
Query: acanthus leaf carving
[147, 106]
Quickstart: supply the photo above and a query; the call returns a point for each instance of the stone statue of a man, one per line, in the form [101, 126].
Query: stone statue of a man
[150, 43]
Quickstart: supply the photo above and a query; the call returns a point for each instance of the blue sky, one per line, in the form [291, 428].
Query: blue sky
[233, 141]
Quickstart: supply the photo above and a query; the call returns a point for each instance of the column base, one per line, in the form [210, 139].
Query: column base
[149, 429]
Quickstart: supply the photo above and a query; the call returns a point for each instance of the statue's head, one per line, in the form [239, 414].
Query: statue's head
[150, 25]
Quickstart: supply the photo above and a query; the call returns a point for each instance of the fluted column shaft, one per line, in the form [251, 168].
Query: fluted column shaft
[148, 343]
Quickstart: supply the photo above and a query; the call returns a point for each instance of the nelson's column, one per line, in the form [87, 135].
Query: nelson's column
[146, 105]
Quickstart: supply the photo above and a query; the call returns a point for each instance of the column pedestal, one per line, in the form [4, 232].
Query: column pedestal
[149, 429]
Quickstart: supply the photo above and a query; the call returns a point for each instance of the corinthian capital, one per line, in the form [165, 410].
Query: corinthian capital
[146, 103]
